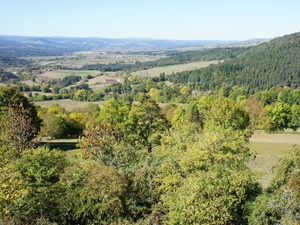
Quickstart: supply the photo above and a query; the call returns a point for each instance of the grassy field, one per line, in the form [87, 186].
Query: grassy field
[170, 69]
[65, 73]
[268, 149]
[67, 103]
[67, 145]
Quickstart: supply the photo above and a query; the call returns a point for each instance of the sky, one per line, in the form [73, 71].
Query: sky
[158, 19]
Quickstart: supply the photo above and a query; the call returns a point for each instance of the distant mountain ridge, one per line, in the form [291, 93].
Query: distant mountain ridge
[20, 46]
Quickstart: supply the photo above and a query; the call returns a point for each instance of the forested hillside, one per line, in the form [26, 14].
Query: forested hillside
[13, 61]
[275, 63]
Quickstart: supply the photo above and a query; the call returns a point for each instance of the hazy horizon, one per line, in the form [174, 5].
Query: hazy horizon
[129, 38]
[164, 20]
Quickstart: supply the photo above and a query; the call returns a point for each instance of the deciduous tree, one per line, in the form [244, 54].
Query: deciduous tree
[146, 124]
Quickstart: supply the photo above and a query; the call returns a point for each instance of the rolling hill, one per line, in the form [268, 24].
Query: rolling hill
[273, 63]
[21, 46]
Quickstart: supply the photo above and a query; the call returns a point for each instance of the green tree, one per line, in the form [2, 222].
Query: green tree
[17, 129]
[19, 122]
[94, 193]
[146, 124]
[34, 185]
[295, 123]
[227, 114]
[279, 204]
[154, 94]
[193, 114]
[114, 113]
[54, 125]
[10, 96]
[75, 124]
[224, 91]
[216, 196]
[281, 117]
[202, 178]
[81, 95]
[46, 88]
[178, 119]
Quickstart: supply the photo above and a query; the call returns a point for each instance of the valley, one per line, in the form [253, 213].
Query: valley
[147, 132]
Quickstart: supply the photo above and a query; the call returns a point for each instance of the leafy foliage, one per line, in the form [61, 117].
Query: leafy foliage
[123, 131]
[143, 166]
[280, 203]
[213, 197]
[94, 193]
[32, 191]
[146, 124]
[58, 123]
[281, 117]
[18, 129]
[19, 120]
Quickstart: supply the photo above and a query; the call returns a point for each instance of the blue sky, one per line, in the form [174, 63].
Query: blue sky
[160, 19]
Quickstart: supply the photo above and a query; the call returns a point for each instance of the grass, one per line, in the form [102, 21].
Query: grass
[62, 144]
[69, 146]
[268, 150]
[67, 104]
[65, 73]
[170, 69]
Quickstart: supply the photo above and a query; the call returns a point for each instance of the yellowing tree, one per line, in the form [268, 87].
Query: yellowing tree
[19, 122]
[154, 94]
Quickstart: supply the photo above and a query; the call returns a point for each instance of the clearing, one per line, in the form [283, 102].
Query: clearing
[268, 150]
[64, 73]
[175, 68]
[67, 104]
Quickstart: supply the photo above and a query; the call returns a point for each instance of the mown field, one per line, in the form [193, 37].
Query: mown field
[66, 103]
[268, 149]
[170, 69]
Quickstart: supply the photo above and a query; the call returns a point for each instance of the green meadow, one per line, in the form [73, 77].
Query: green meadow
[268, 149]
